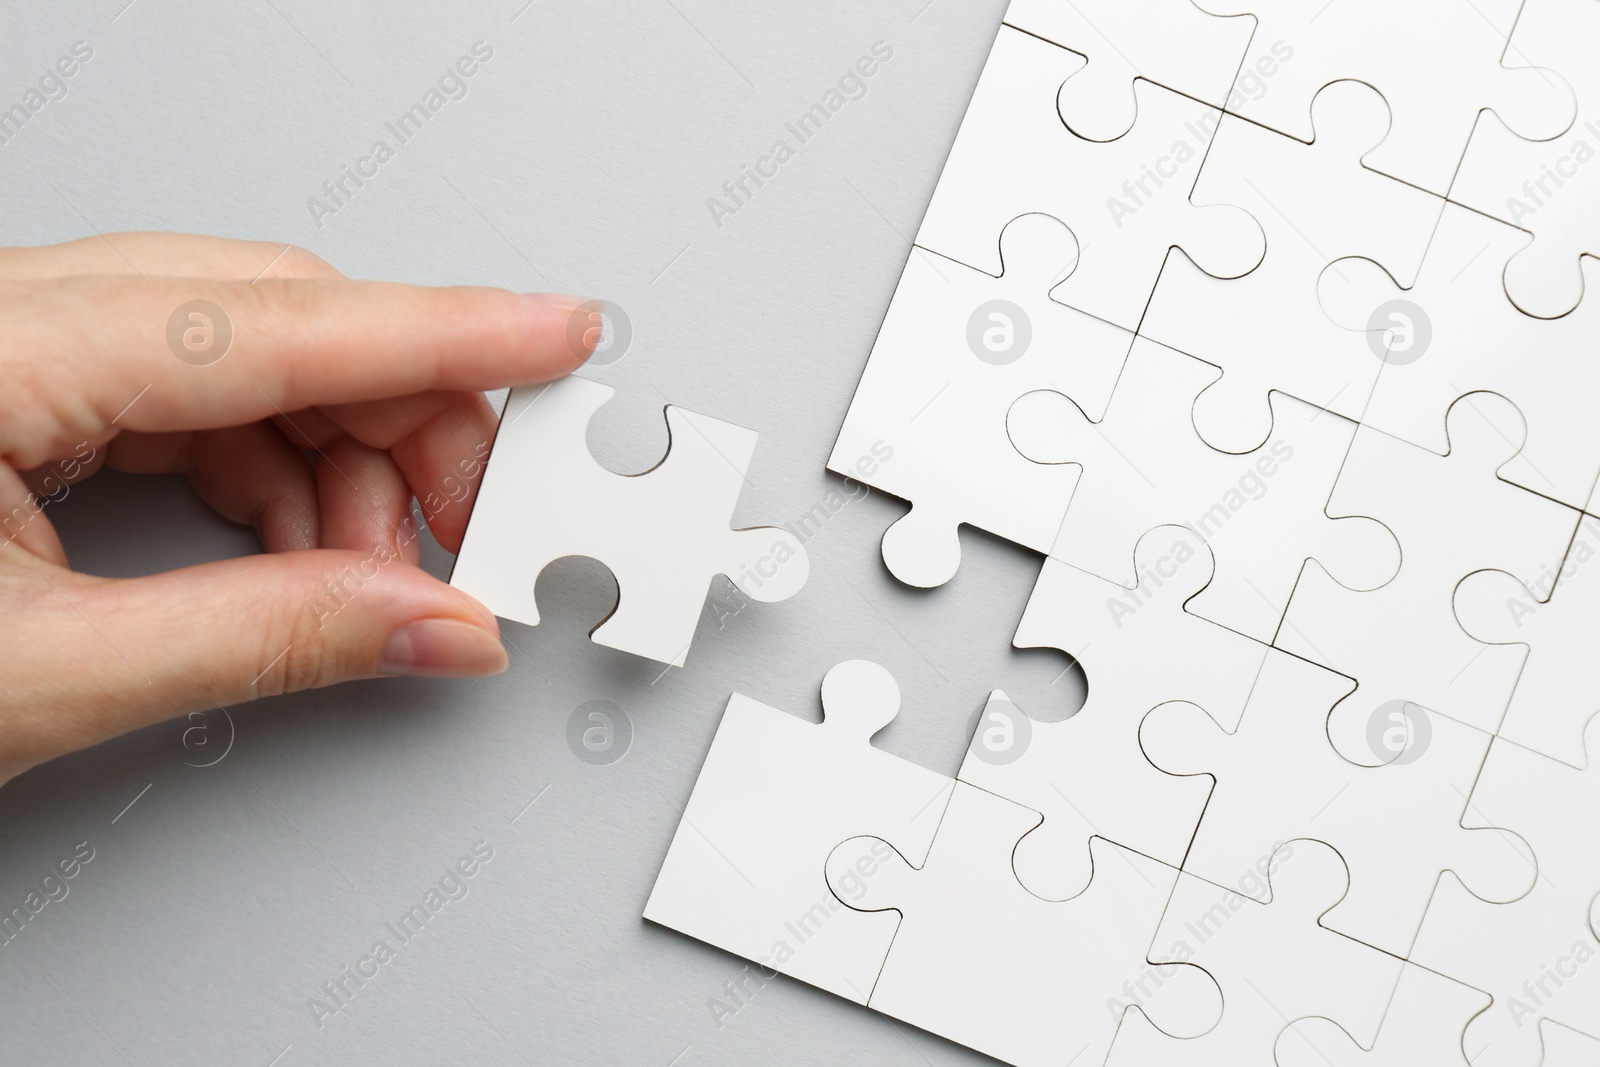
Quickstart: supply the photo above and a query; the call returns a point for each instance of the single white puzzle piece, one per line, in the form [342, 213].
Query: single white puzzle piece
[981, 961]
[1436, 62]
[1127, 200]
[1087, 774]
[1273, 961]
[1263, 513]
[1557, 621]
[927, 423]
[745, 871]
[1170, 42]
[1550, 188]
[664, 533]
[1539, 956]
[1317, 204]
[1454, 333]
[1397, 825]
[1451, 516]
[1421, 1028]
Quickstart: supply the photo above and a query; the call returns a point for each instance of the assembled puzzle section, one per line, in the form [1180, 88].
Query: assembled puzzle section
[1301, 420]
[664, 534]
[1272, 961]
[745, 871]
[1126, 199]
[980, 960]
[1087, 775]
[955, 349]
[1549, 188]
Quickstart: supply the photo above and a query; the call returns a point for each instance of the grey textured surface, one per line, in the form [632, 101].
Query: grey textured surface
[581, 159]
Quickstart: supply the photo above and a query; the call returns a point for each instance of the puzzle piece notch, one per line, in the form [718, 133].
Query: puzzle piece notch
[1170, 42]
[1544, 182]
[1272, 961]
[1266, 331]
[776, 793]
[1279, 777]
[1087, 774]
[1451, 515]
[663, 534]
[1555, 694]
[1539, 955]
[1423, 1025]
[1144, 465]
[1127, 199]
[1453, 333]
[967, 962]
[956, 347]
[1438, 63]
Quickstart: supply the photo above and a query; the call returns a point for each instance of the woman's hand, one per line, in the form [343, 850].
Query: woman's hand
[230, 362]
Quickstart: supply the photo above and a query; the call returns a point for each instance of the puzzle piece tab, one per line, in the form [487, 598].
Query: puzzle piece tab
[1279, 777]
[1551, 188]
[1539, 956]
[664, 533]
[1262, 513]
[1087, 774]
[1422, 1026]
[981, 961]
[776, 794]
[1272, 961]
[1127, 200]
[1451, 516]
[1267, 330]
[1455, 333]
[1558, 689]
[1436, 62]
[955, 349]
[1170, 42]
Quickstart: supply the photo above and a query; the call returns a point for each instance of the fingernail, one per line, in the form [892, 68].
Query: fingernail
[442, 648]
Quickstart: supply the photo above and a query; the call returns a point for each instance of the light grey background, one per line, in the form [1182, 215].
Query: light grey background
[581, 160]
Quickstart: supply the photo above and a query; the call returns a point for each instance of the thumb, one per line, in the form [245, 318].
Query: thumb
[107, 656]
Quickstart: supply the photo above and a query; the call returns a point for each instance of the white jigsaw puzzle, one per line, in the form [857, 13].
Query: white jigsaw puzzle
[1539, 957]
[980, 960]
[1438, 63]
[1127, 199]
[745, 871]
[955, 349]
[1170, 42]
[1263, 513]
[663, 533]
[1422, 1027]
[1266, 330]
[1260, 321]
[1558, 689]
[1451, 516]
[1279, 777]
[1272, 961]
[1548, 187]
[1454, 333]
[1087, 774]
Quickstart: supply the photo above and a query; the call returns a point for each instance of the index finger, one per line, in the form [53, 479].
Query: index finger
[96, 354]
